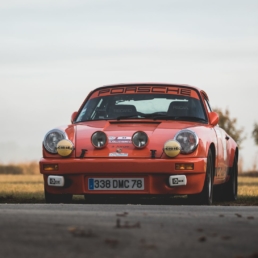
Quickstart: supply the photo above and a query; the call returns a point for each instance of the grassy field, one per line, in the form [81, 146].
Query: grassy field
[29, 189]
[21, 188]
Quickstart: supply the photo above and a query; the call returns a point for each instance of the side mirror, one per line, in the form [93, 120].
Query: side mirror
[214, 118]
[74, 115]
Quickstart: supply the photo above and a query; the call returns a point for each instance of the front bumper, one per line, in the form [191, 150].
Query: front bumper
[156, 173]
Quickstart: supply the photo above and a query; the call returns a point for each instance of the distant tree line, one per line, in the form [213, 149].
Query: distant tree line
[30, 168]
[255, 133]
[229, 124]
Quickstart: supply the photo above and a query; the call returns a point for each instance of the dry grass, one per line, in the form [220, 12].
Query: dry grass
[21, 188]
[29, 189]
[248, 186]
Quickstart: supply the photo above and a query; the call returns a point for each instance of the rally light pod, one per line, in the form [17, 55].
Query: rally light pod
[140, 139]
[172, 148]
[99, 140]
[64, 148]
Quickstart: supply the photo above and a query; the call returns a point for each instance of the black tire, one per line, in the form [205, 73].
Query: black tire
[206, 195]
[229, 189]
[58, 198]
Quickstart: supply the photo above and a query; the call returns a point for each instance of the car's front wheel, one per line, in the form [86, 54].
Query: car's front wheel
[206, 195]
[58, 198]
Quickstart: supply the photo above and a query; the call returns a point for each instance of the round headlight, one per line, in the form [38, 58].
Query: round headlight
[188, 140]
[140, 139]
[99, 139]
[52, 138]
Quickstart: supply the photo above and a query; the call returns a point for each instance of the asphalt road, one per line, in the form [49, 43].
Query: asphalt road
[109, 230]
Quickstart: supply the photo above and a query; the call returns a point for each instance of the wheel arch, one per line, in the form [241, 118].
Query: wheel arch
[234, 154]
[213, 151]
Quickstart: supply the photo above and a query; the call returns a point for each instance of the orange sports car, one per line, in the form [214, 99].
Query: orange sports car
[141, 139]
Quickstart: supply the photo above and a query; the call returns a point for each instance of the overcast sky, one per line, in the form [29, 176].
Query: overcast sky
[52, 53]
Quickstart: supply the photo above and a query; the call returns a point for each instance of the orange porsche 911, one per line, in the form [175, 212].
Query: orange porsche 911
[141, 139]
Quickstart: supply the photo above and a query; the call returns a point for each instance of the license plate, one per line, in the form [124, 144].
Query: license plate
[116, 184]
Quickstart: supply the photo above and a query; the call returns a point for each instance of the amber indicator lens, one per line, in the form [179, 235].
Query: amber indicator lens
[50, 167]
[184, 166]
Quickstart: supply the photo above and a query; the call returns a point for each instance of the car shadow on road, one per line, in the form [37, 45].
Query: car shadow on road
[135, 200]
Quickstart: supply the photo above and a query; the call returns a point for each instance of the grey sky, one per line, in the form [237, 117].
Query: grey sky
[52, 53]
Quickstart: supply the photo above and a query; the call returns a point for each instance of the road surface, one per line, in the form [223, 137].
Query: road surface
[110, 230]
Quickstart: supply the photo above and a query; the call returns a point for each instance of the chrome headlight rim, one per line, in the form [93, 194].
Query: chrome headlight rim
[195, 137]
[46, 144]
[103, 135]
[140, 146]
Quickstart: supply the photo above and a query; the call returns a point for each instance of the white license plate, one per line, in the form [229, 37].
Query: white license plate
[116, 184]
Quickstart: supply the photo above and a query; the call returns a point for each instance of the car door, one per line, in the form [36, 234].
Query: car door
[222, 157]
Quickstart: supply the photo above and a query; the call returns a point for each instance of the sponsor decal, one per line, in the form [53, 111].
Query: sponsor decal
[176, 181]
[173, 90]
[115, 154]
[64, 147]
[172, 148]
[146, 89]
[120, 139]
[54, 181]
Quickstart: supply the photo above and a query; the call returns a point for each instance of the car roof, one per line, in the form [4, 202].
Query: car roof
[156, 84]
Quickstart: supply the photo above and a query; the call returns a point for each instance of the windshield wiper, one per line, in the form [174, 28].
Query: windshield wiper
[142, 115]
[125, 117]
[184, 118]
[191, 118]
[154, 116]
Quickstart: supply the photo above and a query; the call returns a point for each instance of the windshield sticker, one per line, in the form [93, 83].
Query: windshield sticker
[120, 139]
[115, 154]
[146, 89]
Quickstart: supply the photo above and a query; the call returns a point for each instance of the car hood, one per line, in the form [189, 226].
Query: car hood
[119, 135]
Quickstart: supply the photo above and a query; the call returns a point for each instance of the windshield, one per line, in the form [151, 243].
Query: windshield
[142, 106]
